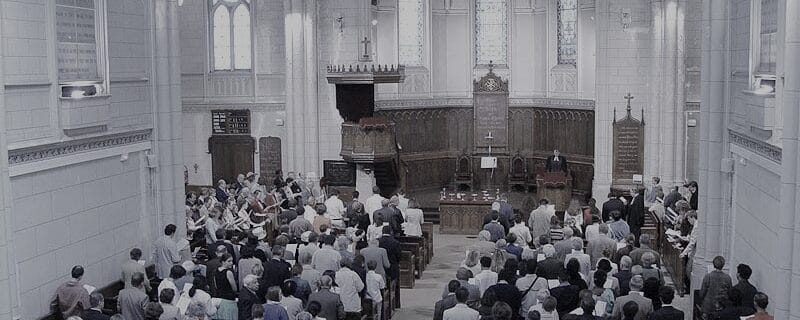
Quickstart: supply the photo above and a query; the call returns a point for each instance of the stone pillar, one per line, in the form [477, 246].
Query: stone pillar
[665, 130]
[168, 179]
[788, 265]
[301, 86]
[712, 139]
[8, 292]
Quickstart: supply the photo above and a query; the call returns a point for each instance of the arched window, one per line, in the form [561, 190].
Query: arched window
[410, 31]
[231, 34]
[491, 38]
[567, 13]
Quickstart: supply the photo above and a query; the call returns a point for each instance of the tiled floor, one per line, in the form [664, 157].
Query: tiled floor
[448, 253]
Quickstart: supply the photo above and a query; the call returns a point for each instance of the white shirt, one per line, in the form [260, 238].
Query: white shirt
[375, 283]
[372, 204]
[486, 279]
[309, 213]
[461, 312]
[523, 234]
[168, 283]
[350, 285]
[335, 208]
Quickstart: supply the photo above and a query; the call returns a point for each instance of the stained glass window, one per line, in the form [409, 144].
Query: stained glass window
[231, 38]
[410, 31]
[491, 27]
[567, 31]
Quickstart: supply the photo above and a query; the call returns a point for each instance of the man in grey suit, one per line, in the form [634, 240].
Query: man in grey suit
[595, 247]
[131, 301]
[375, 253]
[447, 302]
[474, 297]
[165, 252]
[132, 266]
[332, 307]
[635, 295]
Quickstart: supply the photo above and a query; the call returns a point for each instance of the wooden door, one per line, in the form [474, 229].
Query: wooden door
[230, 156]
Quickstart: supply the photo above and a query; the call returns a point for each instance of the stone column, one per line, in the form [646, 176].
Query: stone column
[301, 86]
[8, 292]
[712, 138]
[168, 180]
[665, 126]
[788, 265]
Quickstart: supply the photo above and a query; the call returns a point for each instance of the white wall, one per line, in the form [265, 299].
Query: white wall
[83, 214]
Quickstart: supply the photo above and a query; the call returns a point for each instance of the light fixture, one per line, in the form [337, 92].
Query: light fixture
[374, 22]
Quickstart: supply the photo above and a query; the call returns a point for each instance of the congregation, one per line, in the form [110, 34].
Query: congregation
[591, 263]
[294, 251]
[255, 251]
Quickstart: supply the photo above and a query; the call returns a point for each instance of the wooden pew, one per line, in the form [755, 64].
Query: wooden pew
[407, 262]
[427, 233]
[417, 246]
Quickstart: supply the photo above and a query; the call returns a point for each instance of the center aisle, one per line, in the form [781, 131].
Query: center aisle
[448, 252]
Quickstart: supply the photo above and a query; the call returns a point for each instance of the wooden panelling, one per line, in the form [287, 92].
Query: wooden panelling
[433, 137]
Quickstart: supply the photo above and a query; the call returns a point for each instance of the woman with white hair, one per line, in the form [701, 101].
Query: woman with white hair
[484, 245]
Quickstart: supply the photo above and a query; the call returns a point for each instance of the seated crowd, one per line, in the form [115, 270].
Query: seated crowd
[581, 268]
[289, 253]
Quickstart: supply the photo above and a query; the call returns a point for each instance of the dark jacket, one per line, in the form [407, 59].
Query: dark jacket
[392, 247]
[245, 303]
[748, 292]
[613, 204]
[448, 302]
[507, 293]
[566, 298]
[332, 307]
[549, 268]
[667, 313]
[93, 315]
[636, 214]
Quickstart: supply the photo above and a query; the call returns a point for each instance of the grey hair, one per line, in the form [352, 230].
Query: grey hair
[549, 250]
[625, 263]
[648, 258]
[484, 235]
[250, 279]
[325, 282]
[603, 228]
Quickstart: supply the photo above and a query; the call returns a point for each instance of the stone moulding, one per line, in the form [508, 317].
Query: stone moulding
[762, 148]
[60, 149]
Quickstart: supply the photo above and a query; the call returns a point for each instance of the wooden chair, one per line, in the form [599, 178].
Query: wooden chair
[427, 233]
[463, 175]
[518, 173]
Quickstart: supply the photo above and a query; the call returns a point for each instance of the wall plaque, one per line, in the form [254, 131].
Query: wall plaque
[628, 147]
[339, 173]
[269, 157]
[490, 95]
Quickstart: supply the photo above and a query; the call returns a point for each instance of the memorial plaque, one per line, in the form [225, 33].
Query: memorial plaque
[490, 100]
[339, 173]
[269, 157]
[628, 147]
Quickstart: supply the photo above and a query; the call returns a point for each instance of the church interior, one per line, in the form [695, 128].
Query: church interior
[437, 133]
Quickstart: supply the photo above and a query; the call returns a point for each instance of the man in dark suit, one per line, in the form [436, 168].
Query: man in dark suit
[612, 204]
[556, 163]
[550, 267]
[276, 271]
[448, 301]
[392, 247]
[566, 295]
[331, 303]
[636, 212]
[667, 311]
[96, 300]
[743, 273]
[248, 297]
